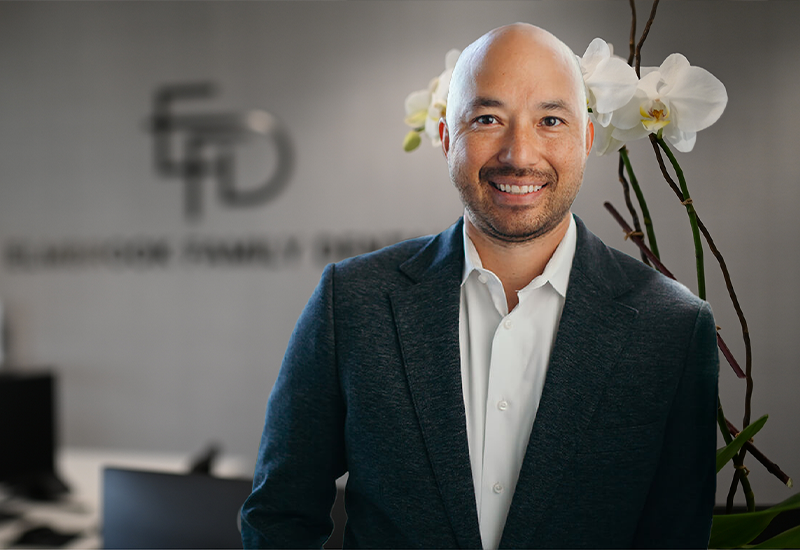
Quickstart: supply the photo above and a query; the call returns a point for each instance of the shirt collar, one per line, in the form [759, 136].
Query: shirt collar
[556, 272]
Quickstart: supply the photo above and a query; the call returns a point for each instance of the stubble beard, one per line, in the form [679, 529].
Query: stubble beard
[515, 225]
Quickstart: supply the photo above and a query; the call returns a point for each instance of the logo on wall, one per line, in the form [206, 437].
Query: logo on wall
[209, 142]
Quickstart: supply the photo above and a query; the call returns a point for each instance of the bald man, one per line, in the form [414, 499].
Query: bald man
[510, 382]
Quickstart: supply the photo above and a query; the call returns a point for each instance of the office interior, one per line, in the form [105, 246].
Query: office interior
[174, 176]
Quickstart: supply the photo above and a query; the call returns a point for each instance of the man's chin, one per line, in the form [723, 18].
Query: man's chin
[521, 232]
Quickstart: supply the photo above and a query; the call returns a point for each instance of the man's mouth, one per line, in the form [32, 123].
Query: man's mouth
[517, 189]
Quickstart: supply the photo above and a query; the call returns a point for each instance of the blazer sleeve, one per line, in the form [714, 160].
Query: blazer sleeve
[302, 450]
[678, 509]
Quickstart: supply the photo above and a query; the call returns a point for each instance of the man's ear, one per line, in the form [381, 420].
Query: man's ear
[589, 136]
[444, 136]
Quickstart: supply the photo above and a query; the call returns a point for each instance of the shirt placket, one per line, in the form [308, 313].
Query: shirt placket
[501, 425]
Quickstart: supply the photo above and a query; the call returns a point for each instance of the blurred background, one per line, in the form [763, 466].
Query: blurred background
[163, 296]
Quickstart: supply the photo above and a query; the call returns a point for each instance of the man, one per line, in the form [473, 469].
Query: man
[511, 382]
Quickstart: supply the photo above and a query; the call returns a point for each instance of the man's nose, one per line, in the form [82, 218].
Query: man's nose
[521, 146]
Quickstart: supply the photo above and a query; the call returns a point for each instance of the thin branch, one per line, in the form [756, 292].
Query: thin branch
[638, 241]
[740, 476]
[728, 283]
[773, 468]
[644, 36]
[632, 41]
[738, 460]
[740, 472]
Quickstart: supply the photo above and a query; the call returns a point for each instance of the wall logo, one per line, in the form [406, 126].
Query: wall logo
[209, 141]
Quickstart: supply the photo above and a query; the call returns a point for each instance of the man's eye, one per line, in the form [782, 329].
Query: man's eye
[486, 119]
[551, 121]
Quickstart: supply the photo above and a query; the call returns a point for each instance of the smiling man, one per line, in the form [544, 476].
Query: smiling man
[510, 382]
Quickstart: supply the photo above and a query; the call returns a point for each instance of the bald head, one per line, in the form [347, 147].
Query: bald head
[521, 48]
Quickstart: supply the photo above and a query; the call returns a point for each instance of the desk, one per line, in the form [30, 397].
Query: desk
[80, 511]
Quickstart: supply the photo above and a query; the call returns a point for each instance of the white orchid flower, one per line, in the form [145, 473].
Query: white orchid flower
[424, 108]
[417, 108]
[677, 99]
[438, 106]
[610, 81]
[604, 141]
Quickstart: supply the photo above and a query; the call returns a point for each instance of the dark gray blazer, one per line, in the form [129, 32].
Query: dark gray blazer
[621, 453]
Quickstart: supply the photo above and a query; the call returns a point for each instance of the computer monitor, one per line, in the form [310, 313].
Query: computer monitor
[28, 434]
[146, 509]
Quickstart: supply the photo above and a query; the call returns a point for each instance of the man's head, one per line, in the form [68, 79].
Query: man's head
[516, 135]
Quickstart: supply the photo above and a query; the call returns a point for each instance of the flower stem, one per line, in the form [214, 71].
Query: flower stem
[637, 240]
[626, 193]
[648, 221]
[687, 201]
[723, 423]
[740, 472]
[748, 372]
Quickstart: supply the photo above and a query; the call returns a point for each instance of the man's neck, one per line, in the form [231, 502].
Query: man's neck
[516, 264]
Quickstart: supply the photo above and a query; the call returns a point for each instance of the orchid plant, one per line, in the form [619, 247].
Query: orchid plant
[669, 105]
[425, 107]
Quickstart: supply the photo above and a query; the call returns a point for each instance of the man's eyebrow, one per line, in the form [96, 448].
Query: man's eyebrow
[481, 101]
[555, 105]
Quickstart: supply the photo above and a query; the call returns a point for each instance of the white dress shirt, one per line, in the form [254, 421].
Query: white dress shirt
[504, 359]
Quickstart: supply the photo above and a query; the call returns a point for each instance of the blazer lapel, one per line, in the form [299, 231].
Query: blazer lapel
[593, 330]
[427, 319]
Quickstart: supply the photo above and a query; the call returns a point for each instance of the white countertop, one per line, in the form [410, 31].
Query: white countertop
[82, 469]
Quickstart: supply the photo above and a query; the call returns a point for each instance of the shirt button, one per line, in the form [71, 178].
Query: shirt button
[502, 404]
[507, 323]
[483, 278]
[498, 488]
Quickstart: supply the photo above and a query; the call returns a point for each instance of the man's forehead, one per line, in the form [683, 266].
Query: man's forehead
[514, 58]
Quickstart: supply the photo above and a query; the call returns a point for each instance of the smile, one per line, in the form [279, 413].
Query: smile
[517, 189]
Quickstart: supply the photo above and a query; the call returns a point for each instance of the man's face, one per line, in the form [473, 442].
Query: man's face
[517, 140]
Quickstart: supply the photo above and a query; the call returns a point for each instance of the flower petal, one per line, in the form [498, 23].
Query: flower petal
[442, 87]
[601, 119]
[417, 101]
[629, 116]
[612, 83]
[682, 141]
[672, 66]
[697, 97]
[432, 131]
[631, 134]
[604, 142]
[450, 58]
[596, 51]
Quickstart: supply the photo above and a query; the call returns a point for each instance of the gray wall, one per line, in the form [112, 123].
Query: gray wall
[172, 356]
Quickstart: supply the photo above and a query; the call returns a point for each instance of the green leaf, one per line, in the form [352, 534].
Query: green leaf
[735, 530]
[727, 452]
[788, 539]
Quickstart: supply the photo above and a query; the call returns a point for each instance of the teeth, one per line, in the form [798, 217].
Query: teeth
[518, 189]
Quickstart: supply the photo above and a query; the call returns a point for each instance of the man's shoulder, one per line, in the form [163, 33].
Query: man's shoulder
[406, 260]
[384, 260]
[636, 283]
[648, 283]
